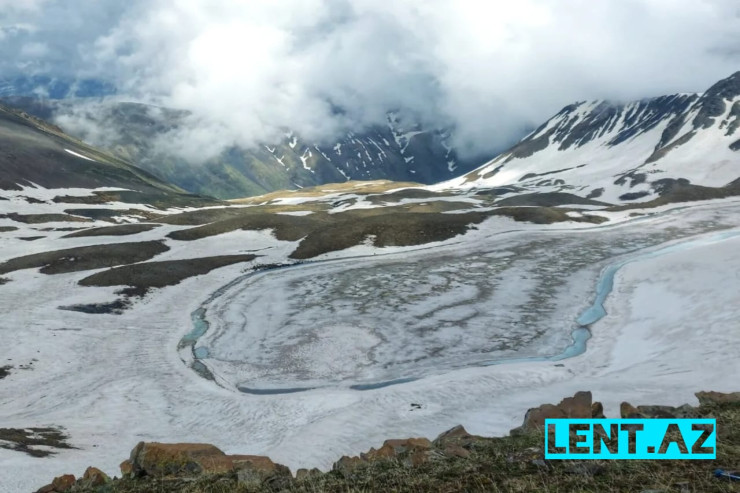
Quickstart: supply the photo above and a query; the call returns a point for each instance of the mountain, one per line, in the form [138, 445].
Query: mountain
[396, 151]
[35, 153]
[630, 152]
[54, 87]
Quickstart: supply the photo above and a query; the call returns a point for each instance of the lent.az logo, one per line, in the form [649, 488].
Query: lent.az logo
[630, 439]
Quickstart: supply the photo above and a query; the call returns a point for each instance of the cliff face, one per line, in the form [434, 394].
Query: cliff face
[454, 461]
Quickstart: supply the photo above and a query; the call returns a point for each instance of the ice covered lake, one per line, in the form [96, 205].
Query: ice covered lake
[369, 322]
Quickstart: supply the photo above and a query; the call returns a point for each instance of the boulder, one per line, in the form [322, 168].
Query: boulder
[668, 412]
[628, 411]
[395, 448]
[127, 469]
[597, 410]
[254, 471]
[578, 406]
[194, 459]
[171, 459]
[346, 465]
[302, 474]
[454, 450]
[59, 485]
[94, 477]
[456, 433]
[458, 436]
[714, 398]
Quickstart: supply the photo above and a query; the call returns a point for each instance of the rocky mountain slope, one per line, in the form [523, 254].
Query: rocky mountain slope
[35, 153]
[624, 153]
[396, 151]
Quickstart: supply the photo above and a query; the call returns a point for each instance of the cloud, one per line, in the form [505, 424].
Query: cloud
[247, 69]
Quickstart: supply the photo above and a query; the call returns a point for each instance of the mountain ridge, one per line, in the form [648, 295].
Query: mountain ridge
[593, 145]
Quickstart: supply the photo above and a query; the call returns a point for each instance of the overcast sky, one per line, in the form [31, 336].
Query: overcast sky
[248, 68]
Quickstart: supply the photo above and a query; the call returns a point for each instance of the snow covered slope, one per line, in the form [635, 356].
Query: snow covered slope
[626, 152]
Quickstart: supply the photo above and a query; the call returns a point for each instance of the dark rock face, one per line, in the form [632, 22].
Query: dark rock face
[628, 120]
[713, 102]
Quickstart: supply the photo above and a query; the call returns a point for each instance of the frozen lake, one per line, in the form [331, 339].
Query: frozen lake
[374, 321]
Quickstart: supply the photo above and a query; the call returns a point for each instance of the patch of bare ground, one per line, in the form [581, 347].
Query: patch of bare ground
[672, 191]
[544, 215]
[35, 442]
[44, 218]
[205, 216]
[358, 187]
[111, 215]
[400, 225]
[123, 230]
[148, 275]
[395, 229]
[550, 199]
[86, 258]
[158, 200]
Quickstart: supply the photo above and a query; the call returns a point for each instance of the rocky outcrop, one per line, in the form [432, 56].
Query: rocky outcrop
[180, 464]
[714, 398]
[196, 459]
[628, 411]
[94, 478]
[578, 406]
[59, 485]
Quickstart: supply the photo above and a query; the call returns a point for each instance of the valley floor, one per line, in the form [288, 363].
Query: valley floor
[112, 380]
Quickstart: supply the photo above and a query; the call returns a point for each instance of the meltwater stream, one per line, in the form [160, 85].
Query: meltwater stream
[579, 335]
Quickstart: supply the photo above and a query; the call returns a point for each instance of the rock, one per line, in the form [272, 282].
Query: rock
[302, 474]
[714, 398]
[453, 433]
[127, 469]
[254, 471]
[94, 477]
[454, 450]
[669, 412]
[193, 459]
[578, 406]
[395, 448]
[171, 459]
[597, 410]
[346, 465]
[628, 411]
[59, 485]
[419, 457]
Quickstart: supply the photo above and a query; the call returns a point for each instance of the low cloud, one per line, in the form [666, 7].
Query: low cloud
[249, 69]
